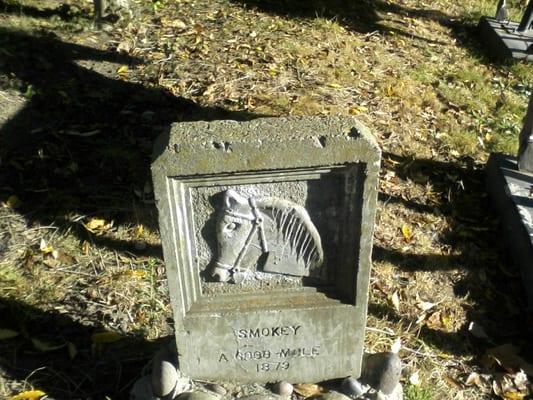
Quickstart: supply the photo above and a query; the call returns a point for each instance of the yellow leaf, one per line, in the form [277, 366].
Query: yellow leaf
[139, 231]
[44, 346]
[8, 334]
[97, 225]
[334, 85]
[454, 153]
[45, 248]
[308, 389]
[357, 110]
[135, 273]
[123, 70]
[407, 234]
[105, 337]
[29, 395]
[513, 395]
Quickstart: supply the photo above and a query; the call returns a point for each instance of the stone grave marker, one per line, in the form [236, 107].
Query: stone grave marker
[267, 235]
[510, 184]
[505, 39]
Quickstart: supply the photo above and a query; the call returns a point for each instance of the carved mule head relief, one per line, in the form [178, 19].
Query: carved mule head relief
[268, 234]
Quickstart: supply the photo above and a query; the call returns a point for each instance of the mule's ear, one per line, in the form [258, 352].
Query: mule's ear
[232, 198]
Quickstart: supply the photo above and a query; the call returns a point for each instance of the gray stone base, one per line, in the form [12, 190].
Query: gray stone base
[502, 42]
[512, 194]
[381, 376]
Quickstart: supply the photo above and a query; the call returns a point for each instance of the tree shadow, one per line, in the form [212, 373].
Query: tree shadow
[81, 145]
[57, 355]
[496, 294]
[64, 11]
[363, 16]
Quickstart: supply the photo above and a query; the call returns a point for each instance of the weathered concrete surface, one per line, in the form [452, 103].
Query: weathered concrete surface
[271, 327]
[501, 41]
[512, 194]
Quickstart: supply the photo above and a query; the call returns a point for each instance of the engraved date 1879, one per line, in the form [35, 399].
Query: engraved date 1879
[272, 366]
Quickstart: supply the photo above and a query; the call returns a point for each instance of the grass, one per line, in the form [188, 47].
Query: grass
[414, 73]
[418, 393]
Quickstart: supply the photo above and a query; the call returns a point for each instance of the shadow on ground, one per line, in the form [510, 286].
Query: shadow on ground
[55, 354]
[80, 146]
[64, 11]
[369, 16]
[485, 274]
[363, 16]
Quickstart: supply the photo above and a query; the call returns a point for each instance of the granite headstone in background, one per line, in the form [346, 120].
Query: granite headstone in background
[510, 184]
[267, 235]
[506, 40]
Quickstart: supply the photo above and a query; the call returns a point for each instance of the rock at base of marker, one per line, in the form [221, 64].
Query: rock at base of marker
[397, 394]
[142, 389]
[216, 388]
[283, 388]
[196, 396]
[332, 396]
[352, 387]
[165, 374]
[382, 371]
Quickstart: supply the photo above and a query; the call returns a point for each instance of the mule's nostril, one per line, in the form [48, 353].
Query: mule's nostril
[220, 274]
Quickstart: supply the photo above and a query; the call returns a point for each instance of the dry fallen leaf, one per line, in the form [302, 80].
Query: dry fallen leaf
[123, 70]
[395, 300]
[308, 389]
[425, 305]
[407, 233]
[29, 395]
[434, 321]
[98, 225]
[45, 248]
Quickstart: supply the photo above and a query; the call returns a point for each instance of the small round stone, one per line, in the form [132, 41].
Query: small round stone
[164, 374]
[382, 371]
[332, 396]
[196, 396]
[283, 388]
[142, 390]
[352, 387]
[218, 389]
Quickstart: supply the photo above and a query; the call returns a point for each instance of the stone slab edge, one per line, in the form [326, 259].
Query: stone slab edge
[500, 171]
[502, 45]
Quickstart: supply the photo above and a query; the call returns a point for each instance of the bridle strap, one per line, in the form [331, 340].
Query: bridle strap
[257, 225]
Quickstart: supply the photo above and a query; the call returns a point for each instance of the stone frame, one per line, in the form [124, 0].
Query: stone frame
[203, 154]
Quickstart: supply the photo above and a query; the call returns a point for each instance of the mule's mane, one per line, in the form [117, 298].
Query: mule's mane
[296, 228]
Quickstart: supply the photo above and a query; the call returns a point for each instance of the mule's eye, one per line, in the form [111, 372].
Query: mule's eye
[231, 226]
